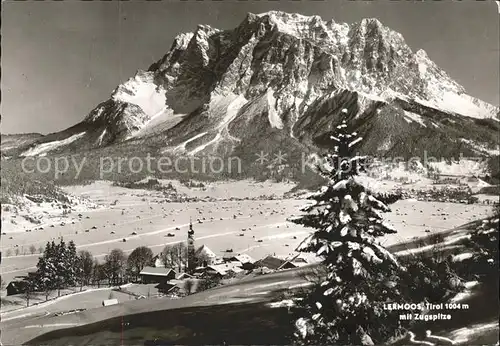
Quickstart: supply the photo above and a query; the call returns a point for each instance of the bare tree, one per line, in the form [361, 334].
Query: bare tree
[98, 273]
[32, 249]
[16, 251]
[181, 256]
[166, 257]
[86, 266]
[47, 290]
[8, 253]
[138, 259]
[174, 256]
[115, 265]
[40, 249]
[29, 288]
[188, 286]
[27, 296]
[202, 259]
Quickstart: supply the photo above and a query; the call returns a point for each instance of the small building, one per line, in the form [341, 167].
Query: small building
[183, 276]
[300, 260]
[151, 275]
[247, 266]
[209, 256]
[222, 270]
[270, 262]
[262, 271]
[245, 261]
[213, 271]
[109, 302]
[16, 287]
[242, 258]
[168, 288]
[20, 284]
[288, 265]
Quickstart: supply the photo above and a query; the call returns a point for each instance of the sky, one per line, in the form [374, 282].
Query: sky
[60, 59]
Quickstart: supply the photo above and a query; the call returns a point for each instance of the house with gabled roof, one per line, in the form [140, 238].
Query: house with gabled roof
[300, 260]
[168, 288]
[150, 275]
[270, 262]
[242, 258]
[205, 252]
[183, 276]
[222, 269]
[16, 287]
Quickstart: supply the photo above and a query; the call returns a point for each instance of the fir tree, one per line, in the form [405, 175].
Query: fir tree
[58, 267]
[46, 270]
[60, 264]
[347, 218]
[72, 270]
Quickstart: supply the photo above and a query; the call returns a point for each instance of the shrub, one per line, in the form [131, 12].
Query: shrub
[484, 242]
[428, 278]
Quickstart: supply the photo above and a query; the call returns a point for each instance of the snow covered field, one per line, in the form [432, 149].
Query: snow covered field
[220, 224]
[32, 215]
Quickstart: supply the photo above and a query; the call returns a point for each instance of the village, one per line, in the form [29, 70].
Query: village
[201, 266]
[197, 268]
[210, 270]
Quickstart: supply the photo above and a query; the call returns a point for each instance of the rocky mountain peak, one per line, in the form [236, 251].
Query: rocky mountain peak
[422, 54]
[278, 71]
[298, 58]
[181, 41]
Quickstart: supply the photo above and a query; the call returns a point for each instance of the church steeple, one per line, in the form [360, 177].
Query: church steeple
[191, 231]
[191, 265]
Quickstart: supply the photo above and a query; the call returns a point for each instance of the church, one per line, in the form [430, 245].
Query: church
[202, 256]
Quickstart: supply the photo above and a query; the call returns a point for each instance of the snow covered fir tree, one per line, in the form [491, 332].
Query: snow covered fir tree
[57, 268]
[347, 219]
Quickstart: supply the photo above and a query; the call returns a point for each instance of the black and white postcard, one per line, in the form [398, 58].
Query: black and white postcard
[253, 172]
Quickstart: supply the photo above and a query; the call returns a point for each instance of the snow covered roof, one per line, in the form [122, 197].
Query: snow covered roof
[224, 268]
[183, 276]
[307, 258]
[109, 302]
[167, 287]
[206, 251]
[300, 260]
[270, 262]
[157, 271]
[242, 258]
[158, 262]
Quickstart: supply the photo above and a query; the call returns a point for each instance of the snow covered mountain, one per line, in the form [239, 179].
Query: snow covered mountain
[284, 78]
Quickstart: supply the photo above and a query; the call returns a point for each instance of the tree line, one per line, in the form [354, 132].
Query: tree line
[61, 266]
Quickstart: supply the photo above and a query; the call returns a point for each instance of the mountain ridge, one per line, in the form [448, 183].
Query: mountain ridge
[216, 88]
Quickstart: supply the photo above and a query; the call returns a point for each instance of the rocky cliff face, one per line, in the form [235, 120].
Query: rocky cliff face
[286, 76]
[300, 58]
